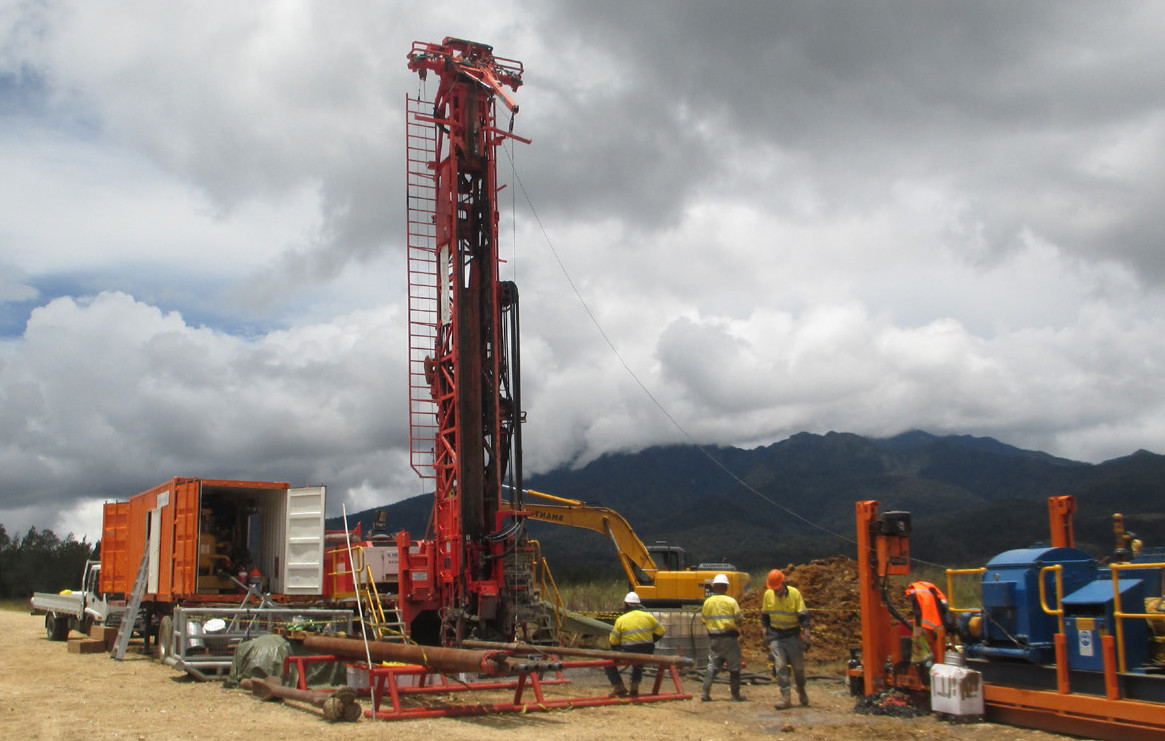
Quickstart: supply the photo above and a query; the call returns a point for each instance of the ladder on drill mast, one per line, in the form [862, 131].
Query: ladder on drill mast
[424, 309]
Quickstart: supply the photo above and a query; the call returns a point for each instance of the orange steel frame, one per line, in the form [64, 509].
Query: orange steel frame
[1061, 711]
[879, 557]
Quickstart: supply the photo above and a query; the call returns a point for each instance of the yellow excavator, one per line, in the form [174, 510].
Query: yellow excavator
[658, 574]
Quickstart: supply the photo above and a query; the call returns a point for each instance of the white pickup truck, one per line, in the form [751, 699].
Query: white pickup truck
[75, 610]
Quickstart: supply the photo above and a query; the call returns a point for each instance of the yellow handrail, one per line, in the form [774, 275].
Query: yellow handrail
[1059, 611]
[365, 587]
[1118, 614]
[951, 589]
[546, 578]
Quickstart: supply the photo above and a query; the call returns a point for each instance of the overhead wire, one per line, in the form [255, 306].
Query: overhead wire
[517, 179]
[635, 377]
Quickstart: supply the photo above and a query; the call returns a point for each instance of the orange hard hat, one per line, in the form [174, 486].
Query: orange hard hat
[776, 579]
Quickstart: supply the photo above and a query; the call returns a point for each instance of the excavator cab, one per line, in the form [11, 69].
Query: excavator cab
[668, 557]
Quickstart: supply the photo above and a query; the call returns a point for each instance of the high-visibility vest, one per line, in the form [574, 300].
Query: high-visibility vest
[635, 627]
[784, 612]
[720, 613]
[927, 596]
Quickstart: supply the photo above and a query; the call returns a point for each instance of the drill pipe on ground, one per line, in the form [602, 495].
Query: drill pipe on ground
[338, 705]
[443, 660]
[593, 653]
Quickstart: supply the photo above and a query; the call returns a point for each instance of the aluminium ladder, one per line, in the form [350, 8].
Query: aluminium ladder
[130, 617]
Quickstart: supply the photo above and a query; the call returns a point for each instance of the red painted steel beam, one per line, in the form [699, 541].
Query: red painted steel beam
[393, 693]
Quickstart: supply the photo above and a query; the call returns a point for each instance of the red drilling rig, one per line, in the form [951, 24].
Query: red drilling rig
[471, 577]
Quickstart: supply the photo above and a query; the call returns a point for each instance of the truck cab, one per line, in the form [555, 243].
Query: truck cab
[73, 609]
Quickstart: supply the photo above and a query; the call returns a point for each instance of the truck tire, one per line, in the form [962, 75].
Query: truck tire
[56, 628]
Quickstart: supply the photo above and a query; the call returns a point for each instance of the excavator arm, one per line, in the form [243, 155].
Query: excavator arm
[656, 586]
[633, 554]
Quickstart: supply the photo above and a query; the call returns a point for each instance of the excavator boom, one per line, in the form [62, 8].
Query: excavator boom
[656, 586]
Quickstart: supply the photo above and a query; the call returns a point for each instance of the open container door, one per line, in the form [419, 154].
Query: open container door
[115, 577]
[304, 547]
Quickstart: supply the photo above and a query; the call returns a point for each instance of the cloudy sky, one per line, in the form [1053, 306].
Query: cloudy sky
[782, 217]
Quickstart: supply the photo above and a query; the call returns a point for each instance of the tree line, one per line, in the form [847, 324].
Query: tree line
[41, 562]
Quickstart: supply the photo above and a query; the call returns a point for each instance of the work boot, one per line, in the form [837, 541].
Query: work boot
[635, 689]
[706, 694]
[801, 696]
[785, 702]
[618, 689]
[734, 682]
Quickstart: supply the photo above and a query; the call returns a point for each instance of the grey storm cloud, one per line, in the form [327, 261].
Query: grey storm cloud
[1039, 116]
[735, 222]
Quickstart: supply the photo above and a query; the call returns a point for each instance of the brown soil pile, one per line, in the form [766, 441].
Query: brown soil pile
[830, 589]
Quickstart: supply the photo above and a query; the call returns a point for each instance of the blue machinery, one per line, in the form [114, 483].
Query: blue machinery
[1063, 642]
[1030, 595]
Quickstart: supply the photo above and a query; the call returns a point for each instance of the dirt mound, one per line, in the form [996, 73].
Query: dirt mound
[830, 589]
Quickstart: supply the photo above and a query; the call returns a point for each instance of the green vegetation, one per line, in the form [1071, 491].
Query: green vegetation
[757, 580]
[40, 562]
[604, 595]
[965, 589]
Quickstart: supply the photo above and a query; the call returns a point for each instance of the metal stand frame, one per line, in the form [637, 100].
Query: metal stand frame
[391, 685]
[209, 656]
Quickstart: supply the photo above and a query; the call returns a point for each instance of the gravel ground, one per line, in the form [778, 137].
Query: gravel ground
[49, 693]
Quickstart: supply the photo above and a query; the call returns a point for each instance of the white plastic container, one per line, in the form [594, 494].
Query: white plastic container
[357, 676]
[956, 690]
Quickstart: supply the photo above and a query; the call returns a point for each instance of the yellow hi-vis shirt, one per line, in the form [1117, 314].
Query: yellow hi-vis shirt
[783, 611]
[721, 614]
[635, 628]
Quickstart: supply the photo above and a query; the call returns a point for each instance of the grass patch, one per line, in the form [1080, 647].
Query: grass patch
[604, 595]
[966, 589]
[15, 605]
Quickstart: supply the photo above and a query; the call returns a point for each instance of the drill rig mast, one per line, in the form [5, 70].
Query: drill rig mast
[471, 576]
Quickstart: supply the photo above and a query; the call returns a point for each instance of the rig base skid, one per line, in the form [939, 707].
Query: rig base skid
[391, 686]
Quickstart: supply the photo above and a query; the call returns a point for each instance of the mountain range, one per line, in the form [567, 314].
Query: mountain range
[793, 501]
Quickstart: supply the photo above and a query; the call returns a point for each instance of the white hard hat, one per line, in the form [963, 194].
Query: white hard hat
[720, 579]
[631, 599]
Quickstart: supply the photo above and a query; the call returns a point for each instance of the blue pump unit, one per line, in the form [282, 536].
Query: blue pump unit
[1089, 614]
[1012, 623]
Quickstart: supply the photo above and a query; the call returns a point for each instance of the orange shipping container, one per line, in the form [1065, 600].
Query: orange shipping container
[198, 530]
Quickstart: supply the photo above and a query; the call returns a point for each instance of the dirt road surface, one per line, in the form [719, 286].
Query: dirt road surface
[48, 693]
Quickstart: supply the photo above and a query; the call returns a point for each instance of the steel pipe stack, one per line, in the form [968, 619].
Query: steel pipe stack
[440, 659]
[590, 653]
